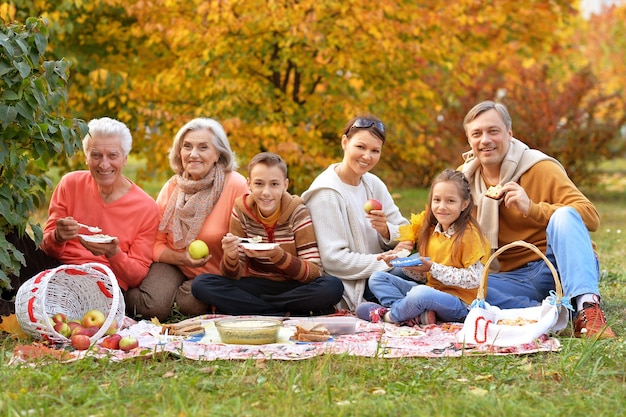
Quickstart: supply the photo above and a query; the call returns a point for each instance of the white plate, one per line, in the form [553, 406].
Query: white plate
[405, 262]
[98, 238]
[259, 246]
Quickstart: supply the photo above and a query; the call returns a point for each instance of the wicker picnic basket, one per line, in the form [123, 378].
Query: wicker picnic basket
[72, 290]
[486, 324]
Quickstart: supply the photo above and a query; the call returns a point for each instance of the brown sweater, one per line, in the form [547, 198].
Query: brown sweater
[549, 188]
[299, 257]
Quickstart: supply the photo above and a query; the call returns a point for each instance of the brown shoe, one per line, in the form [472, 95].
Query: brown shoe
[591, 323]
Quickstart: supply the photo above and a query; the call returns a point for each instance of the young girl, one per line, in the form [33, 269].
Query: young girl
[453, 251]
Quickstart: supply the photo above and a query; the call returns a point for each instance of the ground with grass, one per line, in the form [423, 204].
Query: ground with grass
[584, 378]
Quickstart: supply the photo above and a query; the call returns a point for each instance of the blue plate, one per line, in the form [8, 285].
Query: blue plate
[402, 262]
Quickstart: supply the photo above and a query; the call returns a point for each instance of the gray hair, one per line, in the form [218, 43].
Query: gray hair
[220, 141]
[106, 127]
[480, 108]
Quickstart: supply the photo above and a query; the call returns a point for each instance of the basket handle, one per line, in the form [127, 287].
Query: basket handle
[482, 288]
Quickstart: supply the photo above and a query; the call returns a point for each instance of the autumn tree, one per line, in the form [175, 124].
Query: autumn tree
[34, 130]
[285, 76]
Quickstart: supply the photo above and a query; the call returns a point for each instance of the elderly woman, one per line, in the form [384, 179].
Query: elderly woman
[101, 197]
[195, 204]
[349, 239]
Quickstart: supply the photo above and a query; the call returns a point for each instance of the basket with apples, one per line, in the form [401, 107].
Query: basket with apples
[70, 300]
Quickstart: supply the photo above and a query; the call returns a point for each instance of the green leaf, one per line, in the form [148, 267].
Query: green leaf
[23, 68]
[10, 95]
[41, 41]
[7, 114]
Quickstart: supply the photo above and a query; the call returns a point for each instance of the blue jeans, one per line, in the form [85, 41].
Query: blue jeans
[571, 252]
[408, 299]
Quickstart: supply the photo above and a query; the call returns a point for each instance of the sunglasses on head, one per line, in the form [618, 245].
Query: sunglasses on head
[363, 123]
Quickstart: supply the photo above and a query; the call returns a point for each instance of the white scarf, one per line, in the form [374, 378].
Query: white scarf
[519, 159]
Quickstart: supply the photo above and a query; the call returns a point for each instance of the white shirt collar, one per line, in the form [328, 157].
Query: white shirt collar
[448, 233]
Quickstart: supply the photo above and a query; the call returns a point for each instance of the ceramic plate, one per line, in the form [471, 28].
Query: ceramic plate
[259, 246]
[98, 238]
[406, 262]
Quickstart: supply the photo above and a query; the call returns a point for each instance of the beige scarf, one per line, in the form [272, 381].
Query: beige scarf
[517, 161]
[190, 204]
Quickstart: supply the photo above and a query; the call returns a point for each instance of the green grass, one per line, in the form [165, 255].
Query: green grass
[585, 378]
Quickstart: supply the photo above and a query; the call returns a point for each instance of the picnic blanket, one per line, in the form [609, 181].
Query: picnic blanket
[376, 340]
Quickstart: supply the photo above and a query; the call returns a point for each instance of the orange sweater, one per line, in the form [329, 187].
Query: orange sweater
[133, 219]
[214, 228]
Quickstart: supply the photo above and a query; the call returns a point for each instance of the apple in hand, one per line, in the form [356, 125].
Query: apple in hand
[63, 329]
[372, 204]
[198, 249]
[93, 318]
[112, 341]
[80, 342]
[128, 342]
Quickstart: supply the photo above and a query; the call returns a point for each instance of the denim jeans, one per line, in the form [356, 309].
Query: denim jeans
[571, 252]
[408, 299]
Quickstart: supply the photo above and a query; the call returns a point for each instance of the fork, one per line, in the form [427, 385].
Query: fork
[92, 229]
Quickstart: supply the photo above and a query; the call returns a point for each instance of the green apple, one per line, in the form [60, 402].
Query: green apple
[112, 328]
[198, 249]
[128, 343]
[93, 318]
[63, 329]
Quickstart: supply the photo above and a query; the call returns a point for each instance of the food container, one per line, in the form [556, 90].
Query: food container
[336, 325]
[248, 331]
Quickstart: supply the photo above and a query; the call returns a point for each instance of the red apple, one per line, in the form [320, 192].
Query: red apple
[63, 329]
[74, 324]
[128, 342]
[112, 328]
[59, 318]
[91, 330]
[112, 341]
[93, 318]
[80, 342]
[80, 330]
[372, 204]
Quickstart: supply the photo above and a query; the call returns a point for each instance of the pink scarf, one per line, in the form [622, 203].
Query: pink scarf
[190, 204]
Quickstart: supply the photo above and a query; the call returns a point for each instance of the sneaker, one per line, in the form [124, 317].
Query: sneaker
[425, 318]
[371, 312]
[591, 323]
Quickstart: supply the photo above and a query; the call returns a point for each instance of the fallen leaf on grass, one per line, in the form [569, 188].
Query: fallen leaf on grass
[38, 351]
[11, 325]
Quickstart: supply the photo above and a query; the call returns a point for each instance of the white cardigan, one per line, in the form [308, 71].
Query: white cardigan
[340, 238]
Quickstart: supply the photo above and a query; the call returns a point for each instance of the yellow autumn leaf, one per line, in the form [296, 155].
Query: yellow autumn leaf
[11, 325]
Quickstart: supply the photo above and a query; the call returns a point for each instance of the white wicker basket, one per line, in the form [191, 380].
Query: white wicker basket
[72, 290]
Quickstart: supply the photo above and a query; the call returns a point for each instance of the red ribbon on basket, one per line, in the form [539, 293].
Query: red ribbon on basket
[476, 329]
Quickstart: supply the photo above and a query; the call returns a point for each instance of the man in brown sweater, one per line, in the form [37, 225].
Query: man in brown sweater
[539, 204]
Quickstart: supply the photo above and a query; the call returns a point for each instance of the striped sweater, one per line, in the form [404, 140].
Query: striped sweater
[299, 257]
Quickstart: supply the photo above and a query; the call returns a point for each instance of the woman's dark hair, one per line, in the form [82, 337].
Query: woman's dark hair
[370, 123]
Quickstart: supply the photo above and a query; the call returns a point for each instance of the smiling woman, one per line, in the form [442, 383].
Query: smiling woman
[194, 204]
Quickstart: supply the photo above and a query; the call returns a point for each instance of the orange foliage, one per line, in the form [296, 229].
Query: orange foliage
[287, 75]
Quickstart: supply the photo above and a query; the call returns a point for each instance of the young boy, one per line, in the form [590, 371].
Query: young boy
[261, 278]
